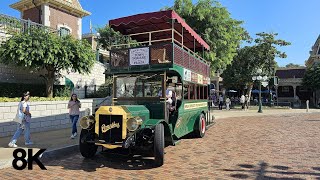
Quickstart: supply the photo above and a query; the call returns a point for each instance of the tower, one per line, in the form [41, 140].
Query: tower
[64, 15]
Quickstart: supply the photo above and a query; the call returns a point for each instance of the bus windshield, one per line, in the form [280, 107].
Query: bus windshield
[142, 85]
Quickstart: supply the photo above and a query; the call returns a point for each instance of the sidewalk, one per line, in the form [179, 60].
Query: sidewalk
[253, 111]
[56, 142]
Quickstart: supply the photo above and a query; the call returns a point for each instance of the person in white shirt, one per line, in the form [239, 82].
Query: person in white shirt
[24, 116]
[242, 101]
[228, 103]
[74, 106]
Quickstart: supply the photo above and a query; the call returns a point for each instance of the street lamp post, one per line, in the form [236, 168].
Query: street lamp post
[259, 78]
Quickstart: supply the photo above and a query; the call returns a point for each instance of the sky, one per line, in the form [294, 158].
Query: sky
[295, 21]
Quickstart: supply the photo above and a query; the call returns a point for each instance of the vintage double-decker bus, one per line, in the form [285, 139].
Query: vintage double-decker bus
[160, 88]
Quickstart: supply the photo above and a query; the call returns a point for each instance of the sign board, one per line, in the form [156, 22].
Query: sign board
[264, 83]
[276, 81]
[139, 56]
[194, 77]
[186, 75]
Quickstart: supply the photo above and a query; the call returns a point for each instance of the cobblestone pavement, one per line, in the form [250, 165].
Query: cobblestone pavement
[264, 147]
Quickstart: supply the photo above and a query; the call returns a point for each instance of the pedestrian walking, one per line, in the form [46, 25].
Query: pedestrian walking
[220, 102]
[23, 118]
[242, 101]
[74, 106]
[246, 102]
[228, 103]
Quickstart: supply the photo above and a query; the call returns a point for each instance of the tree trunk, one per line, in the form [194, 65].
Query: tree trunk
[249, 90]
[50, 82]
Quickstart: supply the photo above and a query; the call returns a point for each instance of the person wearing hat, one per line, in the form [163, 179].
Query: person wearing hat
[23, 118]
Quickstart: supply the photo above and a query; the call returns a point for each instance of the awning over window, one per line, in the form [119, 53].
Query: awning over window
[155, 21]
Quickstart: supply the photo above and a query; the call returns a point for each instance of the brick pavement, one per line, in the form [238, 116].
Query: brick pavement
[280, 146]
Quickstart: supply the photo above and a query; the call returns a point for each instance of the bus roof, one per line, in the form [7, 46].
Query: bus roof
[155, 21]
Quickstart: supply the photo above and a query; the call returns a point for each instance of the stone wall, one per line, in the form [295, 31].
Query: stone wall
[97, 77]
[46, 115]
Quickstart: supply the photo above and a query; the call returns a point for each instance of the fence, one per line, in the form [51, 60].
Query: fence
[95, 91]
[11, 25]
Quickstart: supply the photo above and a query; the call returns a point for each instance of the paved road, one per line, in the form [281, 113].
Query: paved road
[265, 147]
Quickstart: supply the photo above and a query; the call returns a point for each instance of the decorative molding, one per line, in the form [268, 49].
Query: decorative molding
[45, 17]
[79, 24]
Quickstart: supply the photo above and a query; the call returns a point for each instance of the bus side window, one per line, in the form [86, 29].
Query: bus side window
[185, 91]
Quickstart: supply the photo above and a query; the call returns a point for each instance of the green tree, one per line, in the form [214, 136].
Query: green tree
[291, 65]
[109, 37]
[213, 22]
[38, 49]
[311, 78]
[249, 58]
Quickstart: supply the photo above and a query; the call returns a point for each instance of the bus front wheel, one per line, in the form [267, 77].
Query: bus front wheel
[87, 150]
[159, 145]
[200, 128]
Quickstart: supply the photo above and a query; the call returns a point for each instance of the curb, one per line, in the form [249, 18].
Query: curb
[59, 152]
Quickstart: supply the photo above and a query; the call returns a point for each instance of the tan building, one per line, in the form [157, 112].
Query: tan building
[63, 15]
[290, 87]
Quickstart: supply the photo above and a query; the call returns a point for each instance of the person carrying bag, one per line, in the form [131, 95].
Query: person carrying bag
[23, 118]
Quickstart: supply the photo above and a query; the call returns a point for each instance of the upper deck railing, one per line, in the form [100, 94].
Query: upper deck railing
[150, 40]
[157, 56]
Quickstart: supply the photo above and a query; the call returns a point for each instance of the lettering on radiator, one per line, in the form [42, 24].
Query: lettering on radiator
[105, 128]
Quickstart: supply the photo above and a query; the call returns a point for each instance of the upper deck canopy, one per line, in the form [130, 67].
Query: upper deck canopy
[156, 21]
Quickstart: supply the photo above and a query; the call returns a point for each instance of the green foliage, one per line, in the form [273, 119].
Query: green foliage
[16, 89]
[311, 78]
[38, 49]
[6, 99]
[291, 65]
[249, 58]
[213, 22]
[63, 92]
[109, 37]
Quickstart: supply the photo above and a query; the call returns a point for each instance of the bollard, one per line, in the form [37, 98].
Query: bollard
[307, 102]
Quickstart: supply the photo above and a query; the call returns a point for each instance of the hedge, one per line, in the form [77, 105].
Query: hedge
[12, 90]
[5, 99]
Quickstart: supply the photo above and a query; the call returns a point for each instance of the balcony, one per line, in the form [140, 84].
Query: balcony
[10, 26]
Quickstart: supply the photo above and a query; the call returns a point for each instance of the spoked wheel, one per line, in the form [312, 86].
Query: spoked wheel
[87, 150]
[200, 128]
[159, 145]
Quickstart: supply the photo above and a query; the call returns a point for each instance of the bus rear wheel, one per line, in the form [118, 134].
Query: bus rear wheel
[87, 150]
[159, 145]
[200, 126]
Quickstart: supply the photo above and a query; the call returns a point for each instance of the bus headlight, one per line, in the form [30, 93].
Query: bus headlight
[134, 123]
[86, 122]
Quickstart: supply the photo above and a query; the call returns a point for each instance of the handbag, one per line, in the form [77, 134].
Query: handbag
[19, 115]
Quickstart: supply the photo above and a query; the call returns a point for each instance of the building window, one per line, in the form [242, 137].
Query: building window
[64, 31]
[285, 89]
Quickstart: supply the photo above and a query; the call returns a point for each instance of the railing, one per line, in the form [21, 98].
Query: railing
[148, 41]
[10, 25]
[95, 91]
[188, 60]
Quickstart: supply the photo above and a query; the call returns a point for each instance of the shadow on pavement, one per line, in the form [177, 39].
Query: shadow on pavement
[263, 171]
[105, 159]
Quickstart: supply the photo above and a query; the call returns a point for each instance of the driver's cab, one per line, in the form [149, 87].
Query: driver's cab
[173, 95]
